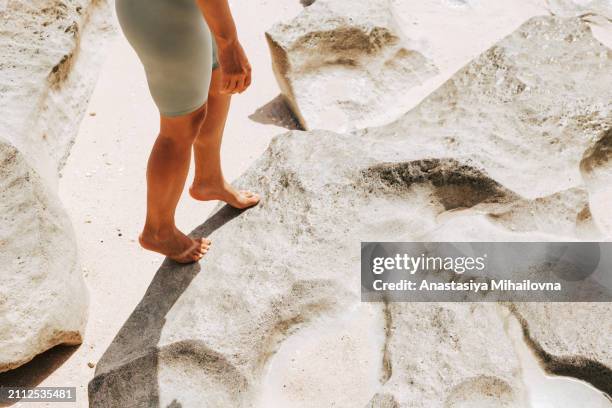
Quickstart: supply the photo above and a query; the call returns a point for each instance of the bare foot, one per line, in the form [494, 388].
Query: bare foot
[238, 199]
[176, 245]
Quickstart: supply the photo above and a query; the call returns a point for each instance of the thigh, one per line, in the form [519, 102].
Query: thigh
[174, 44]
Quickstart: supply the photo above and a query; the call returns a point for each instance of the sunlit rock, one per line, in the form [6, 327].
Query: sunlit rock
[341, 64]
[495, 153]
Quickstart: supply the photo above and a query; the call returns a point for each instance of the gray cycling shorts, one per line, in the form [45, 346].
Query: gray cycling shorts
[176, 48]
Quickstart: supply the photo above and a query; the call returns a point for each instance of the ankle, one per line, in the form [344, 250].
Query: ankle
[160, 233]
[216, 183]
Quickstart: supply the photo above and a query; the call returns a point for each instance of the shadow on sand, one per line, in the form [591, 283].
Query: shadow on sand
[126, 375]
[33, 373]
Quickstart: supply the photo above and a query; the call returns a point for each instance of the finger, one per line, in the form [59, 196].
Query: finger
[229, 85]
[226, 82]
[247, 79]
[247, 76]
[240, 84]
[233, 87]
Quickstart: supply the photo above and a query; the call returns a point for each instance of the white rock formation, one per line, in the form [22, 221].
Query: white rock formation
[449, 355]
[570, 8]
[43, 299]
[495, 153]
[571, 338]
[49, 65]
[596, 169]
[50, 56]
[340, 65]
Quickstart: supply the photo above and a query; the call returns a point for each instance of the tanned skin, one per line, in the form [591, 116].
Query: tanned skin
[201, 131]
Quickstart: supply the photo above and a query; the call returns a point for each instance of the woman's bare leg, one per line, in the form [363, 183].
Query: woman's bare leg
[166, 174]
[209, 183]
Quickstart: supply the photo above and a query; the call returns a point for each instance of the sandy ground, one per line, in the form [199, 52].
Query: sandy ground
[103, 182]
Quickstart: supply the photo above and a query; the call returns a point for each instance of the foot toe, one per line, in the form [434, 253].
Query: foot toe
[250, 196]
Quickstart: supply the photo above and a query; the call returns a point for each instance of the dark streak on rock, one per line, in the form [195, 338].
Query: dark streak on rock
[599, 154]
[456, 185]
[386, 356]
[61, 70]
[593, 372]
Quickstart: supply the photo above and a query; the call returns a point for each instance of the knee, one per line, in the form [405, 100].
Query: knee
[183, 129]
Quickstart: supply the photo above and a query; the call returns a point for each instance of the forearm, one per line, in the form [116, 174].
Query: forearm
[219, 18]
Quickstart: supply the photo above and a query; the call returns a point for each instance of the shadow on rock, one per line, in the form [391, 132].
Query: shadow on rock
[126, 375]
[276, 112]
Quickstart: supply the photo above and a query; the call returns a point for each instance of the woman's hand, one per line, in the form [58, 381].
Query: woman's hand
[235, 68]
[234, 65]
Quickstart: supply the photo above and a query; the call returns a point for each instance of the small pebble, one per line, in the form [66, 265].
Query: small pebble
[91, 365]
[92, 113]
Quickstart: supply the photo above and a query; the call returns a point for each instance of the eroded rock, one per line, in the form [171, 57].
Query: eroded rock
[51, 54]
[340, 65]
[43, 299]
[450, 355]
[570, 339]
[499, 144]
[570, 8]
[596, 169]
[46, 76]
